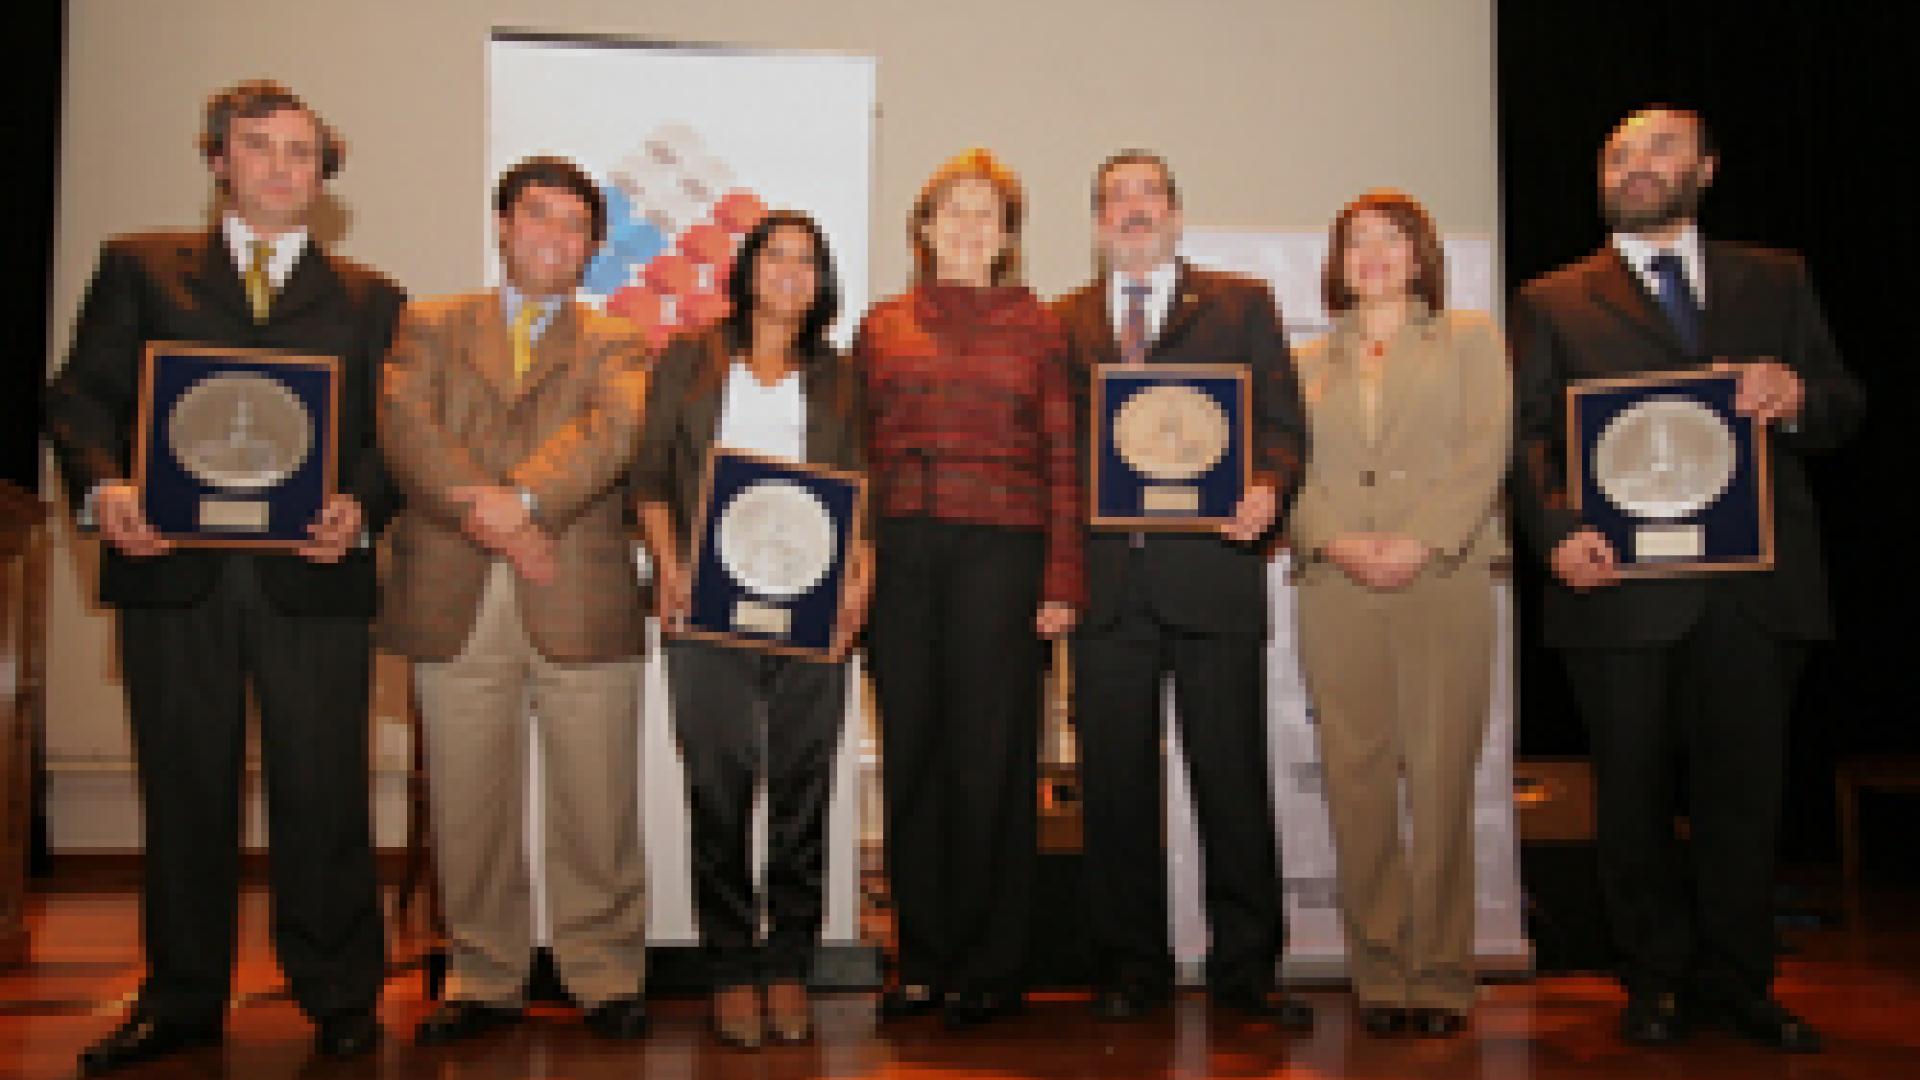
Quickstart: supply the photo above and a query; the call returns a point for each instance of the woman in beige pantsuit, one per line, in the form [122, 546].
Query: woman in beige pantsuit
[1397, 530]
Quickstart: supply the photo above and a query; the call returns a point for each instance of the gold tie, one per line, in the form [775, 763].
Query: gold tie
[259, 291]
[523, 338]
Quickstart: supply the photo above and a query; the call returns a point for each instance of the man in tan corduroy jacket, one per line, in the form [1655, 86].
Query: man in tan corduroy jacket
[509, 419]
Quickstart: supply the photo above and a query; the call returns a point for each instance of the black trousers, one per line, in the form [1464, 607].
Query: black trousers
[187, 670]
[1696, 916]
[957, 668]
[739, 715]
[1219, 684]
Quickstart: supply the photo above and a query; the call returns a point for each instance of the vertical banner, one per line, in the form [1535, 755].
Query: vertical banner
[1290, 264]
[691, 145]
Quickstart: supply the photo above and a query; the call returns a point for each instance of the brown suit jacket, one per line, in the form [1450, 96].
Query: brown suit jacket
[452, 414]
[1436, 468]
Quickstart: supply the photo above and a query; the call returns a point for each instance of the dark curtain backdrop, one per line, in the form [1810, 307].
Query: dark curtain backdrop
[29, 129]
[1812, 107]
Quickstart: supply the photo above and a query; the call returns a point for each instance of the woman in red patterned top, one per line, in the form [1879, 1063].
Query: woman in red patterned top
[971, 457]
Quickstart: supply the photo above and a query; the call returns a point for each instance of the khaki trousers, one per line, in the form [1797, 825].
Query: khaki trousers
[476, 708]
[1400, 683]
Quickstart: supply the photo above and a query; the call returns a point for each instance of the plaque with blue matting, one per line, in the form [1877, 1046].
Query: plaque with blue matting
[771, 544]
[1170, 445]
[235, 447]
[1665, 468]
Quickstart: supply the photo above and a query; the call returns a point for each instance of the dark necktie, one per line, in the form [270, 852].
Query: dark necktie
[1133, 349]
[1133, 332]
[1676, 298]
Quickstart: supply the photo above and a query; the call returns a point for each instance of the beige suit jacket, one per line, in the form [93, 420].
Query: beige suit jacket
[1435, 469]
[453, 414]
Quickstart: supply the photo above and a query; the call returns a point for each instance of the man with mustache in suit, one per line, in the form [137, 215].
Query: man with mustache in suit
[1190, 605]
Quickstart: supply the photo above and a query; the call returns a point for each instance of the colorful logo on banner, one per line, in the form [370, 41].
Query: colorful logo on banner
[674, 220]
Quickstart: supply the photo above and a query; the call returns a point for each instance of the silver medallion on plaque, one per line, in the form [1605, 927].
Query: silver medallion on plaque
[1664, 458]
[776, 539]
[240, 432]
[1171, 433]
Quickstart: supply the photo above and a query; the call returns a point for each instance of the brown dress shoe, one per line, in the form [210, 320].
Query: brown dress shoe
[789, 1013]
[736, 1017]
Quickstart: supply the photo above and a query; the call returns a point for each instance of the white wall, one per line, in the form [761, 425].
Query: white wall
[1273, 113]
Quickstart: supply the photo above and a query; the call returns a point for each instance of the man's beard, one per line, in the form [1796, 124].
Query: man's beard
[1138, 249]
[1678, 202]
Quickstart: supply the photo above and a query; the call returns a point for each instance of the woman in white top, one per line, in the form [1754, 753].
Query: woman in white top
[764, 380]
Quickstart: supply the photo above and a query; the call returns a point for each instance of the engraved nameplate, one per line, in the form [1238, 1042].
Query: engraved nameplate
[235, 515]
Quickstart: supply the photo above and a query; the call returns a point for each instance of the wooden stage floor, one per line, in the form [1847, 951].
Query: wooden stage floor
[1861, 986]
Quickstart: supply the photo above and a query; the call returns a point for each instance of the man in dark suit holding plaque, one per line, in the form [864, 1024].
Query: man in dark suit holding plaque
[1693, 667]
[1192, 604]
[199, 625]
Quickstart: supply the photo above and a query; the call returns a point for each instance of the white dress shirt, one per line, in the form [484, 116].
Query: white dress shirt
[1639, 252]
[283, 252]
[510, 301]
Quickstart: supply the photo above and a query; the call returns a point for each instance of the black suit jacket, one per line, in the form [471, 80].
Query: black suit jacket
[184, 287]
[1195, 581]
[1595, 319]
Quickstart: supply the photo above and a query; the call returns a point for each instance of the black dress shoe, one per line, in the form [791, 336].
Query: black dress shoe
[1288, 1013]
[1767, 1022]
[1653, 1019]
[347, 1034]
[1436, 1023]
[1127, 1003]
[969, 1010]
[144, 1038]
[913, 999]
[619, 1018]
[460, 1020]
[1383, 1019]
